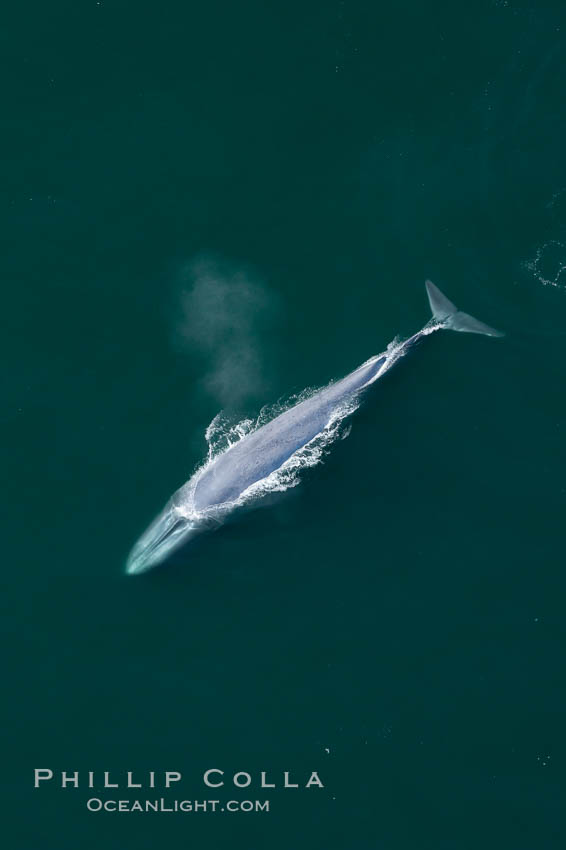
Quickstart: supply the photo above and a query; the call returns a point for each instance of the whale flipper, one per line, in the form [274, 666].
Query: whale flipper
[450, 317]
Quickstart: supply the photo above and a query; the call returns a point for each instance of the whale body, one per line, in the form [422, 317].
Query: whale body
[259, 454]
[215, 490]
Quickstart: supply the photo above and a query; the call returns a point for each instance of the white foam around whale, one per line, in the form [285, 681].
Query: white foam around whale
[222, 434]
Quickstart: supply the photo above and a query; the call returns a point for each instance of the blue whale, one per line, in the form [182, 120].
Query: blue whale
[215, 489]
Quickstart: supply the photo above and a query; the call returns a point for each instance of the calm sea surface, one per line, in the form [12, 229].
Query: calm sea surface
[210, 207]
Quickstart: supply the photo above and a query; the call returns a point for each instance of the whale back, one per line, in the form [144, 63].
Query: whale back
[260, 453]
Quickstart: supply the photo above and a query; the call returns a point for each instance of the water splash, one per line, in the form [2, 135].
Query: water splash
[549, 264]
[222, 433]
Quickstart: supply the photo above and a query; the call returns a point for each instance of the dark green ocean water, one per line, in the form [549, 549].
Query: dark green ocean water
[395, 622]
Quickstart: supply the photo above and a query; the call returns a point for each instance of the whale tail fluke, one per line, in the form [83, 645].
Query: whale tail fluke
[445, 312]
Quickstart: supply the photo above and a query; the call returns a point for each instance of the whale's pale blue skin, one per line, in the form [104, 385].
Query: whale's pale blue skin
[260, 453]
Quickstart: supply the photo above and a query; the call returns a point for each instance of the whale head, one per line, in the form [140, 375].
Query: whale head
[165, 534]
